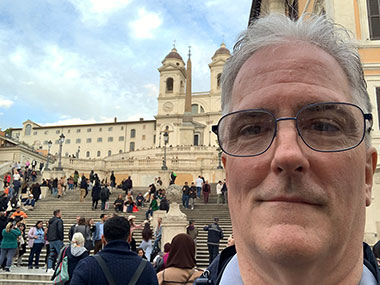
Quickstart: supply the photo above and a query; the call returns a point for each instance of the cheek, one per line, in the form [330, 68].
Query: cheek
[244, 174]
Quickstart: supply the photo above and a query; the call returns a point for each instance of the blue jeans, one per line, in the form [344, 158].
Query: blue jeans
[199, 189]
[7, 253]
[55, 191]
[35, 251]
[55, 248]
[185, 201]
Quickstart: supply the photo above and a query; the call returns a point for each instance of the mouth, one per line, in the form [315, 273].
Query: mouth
[291, 200]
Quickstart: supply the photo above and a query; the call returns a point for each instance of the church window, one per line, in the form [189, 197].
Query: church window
[88, 140]
[109, 153]
[67, 141]
[110, 139]
[131, 146]
[46, 132]
[120, 151]
[28, 129]
[218, 80]
[78, 130]
[77, 141]
[121, 139]
[99, 139]
[34, 133]
[89, 130]
[98, 153]
[169, 84]
[196, 139]
[57, 132]
[87, 154]
[133, 133]
[373, 7]
[195, 109]
[110, 129]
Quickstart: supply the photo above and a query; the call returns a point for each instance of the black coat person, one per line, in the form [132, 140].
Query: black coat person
[95, 194]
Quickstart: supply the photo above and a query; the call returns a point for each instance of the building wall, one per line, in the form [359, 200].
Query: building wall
[115, 137]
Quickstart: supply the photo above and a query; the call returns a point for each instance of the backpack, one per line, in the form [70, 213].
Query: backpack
[103, 194]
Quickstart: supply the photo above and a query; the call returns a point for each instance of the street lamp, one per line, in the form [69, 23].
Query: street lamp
[78, 151]
[166, 140]
[48, 154]
[60, 141]
[219, 158]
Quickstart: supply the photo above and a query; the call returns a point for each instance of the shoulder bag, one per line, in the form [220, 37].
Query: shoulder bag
[61, 272]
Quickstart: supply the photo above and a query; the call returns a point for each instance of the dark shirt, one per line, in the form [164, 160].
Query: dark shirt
[185, 190]
[122, 264]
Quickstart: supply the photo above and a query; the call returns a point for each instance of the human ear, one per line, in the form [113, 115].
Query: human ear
[370, 169]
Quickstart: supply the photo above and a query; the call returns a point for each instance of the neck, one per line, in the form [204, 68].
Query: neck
[256, 269]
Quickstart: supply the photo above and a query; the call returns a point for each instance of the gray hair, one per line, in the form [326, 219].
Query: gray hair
[319, 31]
[78, 239]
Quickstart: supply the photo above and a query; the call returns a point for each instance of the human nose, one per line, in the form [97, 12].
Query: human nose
[288, 156]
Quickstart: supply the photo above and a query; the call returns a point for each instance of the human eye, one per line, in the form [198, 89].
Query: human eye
[253, 129]
[325, 126]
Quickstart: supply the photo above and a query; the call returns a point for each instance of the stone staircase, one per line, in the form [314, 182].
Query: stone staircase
[71, 207]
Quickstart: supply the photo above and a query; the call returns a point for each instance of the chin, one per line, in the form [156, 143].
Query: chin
[290, 244]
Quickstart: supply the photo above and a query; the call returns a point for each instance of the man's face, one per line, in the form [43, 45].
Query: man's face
[105, 217]
[291, 203]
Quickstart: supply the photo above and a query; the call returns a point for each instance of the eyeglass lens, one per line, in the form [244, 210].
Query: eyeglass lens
[323, 127]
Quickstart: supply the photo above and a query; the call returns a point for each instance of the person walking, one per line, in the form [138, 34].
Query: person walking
[185, 195]
[224, 191]
[146, 243]
[219, 193]
[95, 194]
[214, 235]
[36, 242]
[97, 236]
[206, 189]
[104, 197]
[9, 243]
[84, 229]
[198, 184]
[192, 195]
[83, 188]
[55, 238]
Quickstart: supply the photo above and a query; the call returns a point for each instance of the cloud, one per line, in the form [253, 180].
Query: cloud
[145, 25]
[152, 90]
[5, 103]
[71, 121]
[98, 12]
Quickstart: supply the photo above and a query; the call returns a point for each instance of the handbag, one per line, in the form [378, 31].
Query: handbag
[61, 272]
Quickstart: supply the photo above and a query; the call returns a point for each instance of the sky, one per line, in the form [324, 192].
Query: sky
[87, 61]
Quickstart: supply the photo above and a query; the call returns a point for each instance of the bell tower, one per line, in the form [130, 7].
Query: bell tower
[216, 67]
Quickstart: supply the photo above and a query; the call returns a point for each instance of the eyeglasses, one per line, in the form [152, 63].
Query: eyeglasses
[323, 127]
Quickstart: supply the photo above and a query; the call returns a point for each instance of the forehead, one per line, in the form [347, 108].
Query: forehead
[295, 73]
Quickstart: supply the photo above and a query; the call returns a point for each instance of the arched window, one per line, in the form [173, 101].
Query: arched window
[120, 151]
[133, 133]
[98, 153]
[195, 109]
[87, 154]
[28, 129]
[218, 80]
[169, 84]
[131, 146]
[109, 153]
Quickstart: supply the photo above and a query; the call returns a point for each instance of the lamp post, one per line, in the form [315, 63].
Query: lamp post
[219, 158]
[60, 141]
[48, 154]
[78, 151]
[166, 140]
